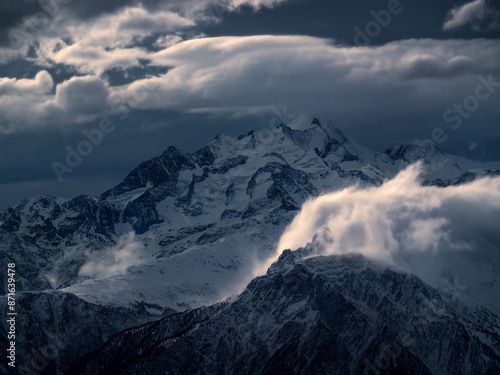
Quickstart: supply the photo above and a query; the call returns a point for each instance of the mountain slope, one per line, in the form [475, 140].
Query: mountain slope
[185, 230]
[54, 329]
[319, 315]
[209, 205]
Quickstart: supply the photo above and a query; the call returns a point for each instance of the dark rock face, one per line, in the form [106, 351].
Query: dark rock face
[36, 232]
[10, 220]
[413, 152]
[285, 182]
[141, 212]
[321, 315]
[157, 170]
[55, 329]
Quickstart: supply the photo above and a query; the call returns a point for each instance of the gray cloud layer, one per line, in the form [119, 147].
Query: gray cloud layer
[209, 74]
[151, 65]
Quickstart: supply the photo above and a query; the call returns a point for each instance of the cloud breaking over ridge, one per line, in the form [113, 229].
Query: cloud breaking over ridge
[399, 216]
[425, 230]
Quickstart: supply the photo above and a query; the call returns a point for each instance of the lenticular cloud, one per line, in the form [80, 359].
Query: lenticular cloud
[440, 234]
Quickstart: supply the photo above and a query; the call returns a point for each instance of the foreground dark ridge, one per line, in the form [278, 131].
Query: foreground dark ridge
[321, 315]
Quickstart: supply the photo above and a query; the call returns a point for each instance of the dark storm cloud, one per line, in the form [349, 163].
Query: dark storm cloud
[383, 71]
[14, 13]
[338, 19]
[85, 10]
[306, 73]
[82, 95]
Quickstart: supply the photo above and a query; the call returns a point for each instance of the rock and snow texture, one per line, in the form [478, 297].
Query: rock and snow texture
[313, 315]
[195, 225]
[187, 230]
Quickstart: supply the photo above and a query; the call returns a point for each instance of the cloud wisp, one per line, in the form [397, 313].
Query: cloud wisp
[127, 253]
[470, 14]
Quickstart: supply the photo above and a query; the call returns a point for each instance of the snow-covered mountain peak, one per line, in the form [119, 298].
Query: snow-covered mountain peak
[235, 191]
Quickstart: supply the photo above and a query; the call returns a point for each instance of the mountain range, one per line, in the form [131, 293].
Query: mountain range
[163, 272]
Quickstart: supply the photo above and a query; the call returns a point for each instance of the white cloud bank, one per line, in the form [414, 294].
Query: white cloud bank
[310, 74]
[436, 233]
[34, 102]
[107, 41]
[234, 75]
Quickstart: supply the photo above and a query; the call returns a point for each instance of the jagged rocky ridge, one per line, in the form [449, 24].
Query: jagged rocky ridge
[182, 199]
[314, 315]
[178, 200]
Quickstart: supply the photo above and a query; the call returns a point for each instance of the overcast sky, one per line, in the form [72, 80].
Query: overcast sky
[156, 73]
